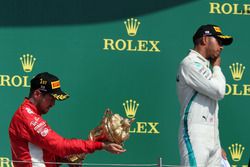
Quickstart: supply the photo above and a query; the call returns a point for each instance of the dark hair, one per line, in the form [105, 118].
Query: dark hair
[32, 90]
[197, 41]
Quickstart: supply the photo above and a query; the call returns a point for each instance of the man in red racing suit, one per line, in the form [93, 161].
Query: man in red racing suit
[33, 142]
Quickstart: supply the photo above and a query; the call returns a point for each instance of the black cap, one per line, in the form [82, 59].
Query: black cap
[212, 30]
[49, 83]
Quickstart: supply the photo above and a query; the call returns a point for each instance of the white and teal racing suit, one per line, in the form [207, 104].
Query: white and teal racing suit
[199, 90]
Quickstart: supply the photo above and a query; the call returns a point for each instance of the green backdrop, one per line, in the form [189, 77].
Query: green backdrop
[86, 44]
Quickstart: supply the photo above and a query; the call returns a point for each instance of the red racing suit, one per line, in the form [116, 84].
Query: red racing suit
[34, 142]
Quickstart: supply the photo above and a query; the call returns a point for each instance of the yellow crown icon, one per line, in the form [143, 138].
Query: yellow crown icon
[130, 108]
[27, 62]
[237, 71]
[132, 26]
[236, 151]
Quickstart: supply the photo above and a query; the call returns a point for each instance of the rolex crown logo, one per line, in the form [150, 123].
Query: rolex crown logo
[27, 62]
[130, 108]
[132, 26]
[237, 71]
[236, 151]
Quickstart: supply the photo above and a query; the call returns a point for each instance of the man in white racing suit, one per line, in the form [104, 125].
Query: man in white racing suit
[199, 88]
